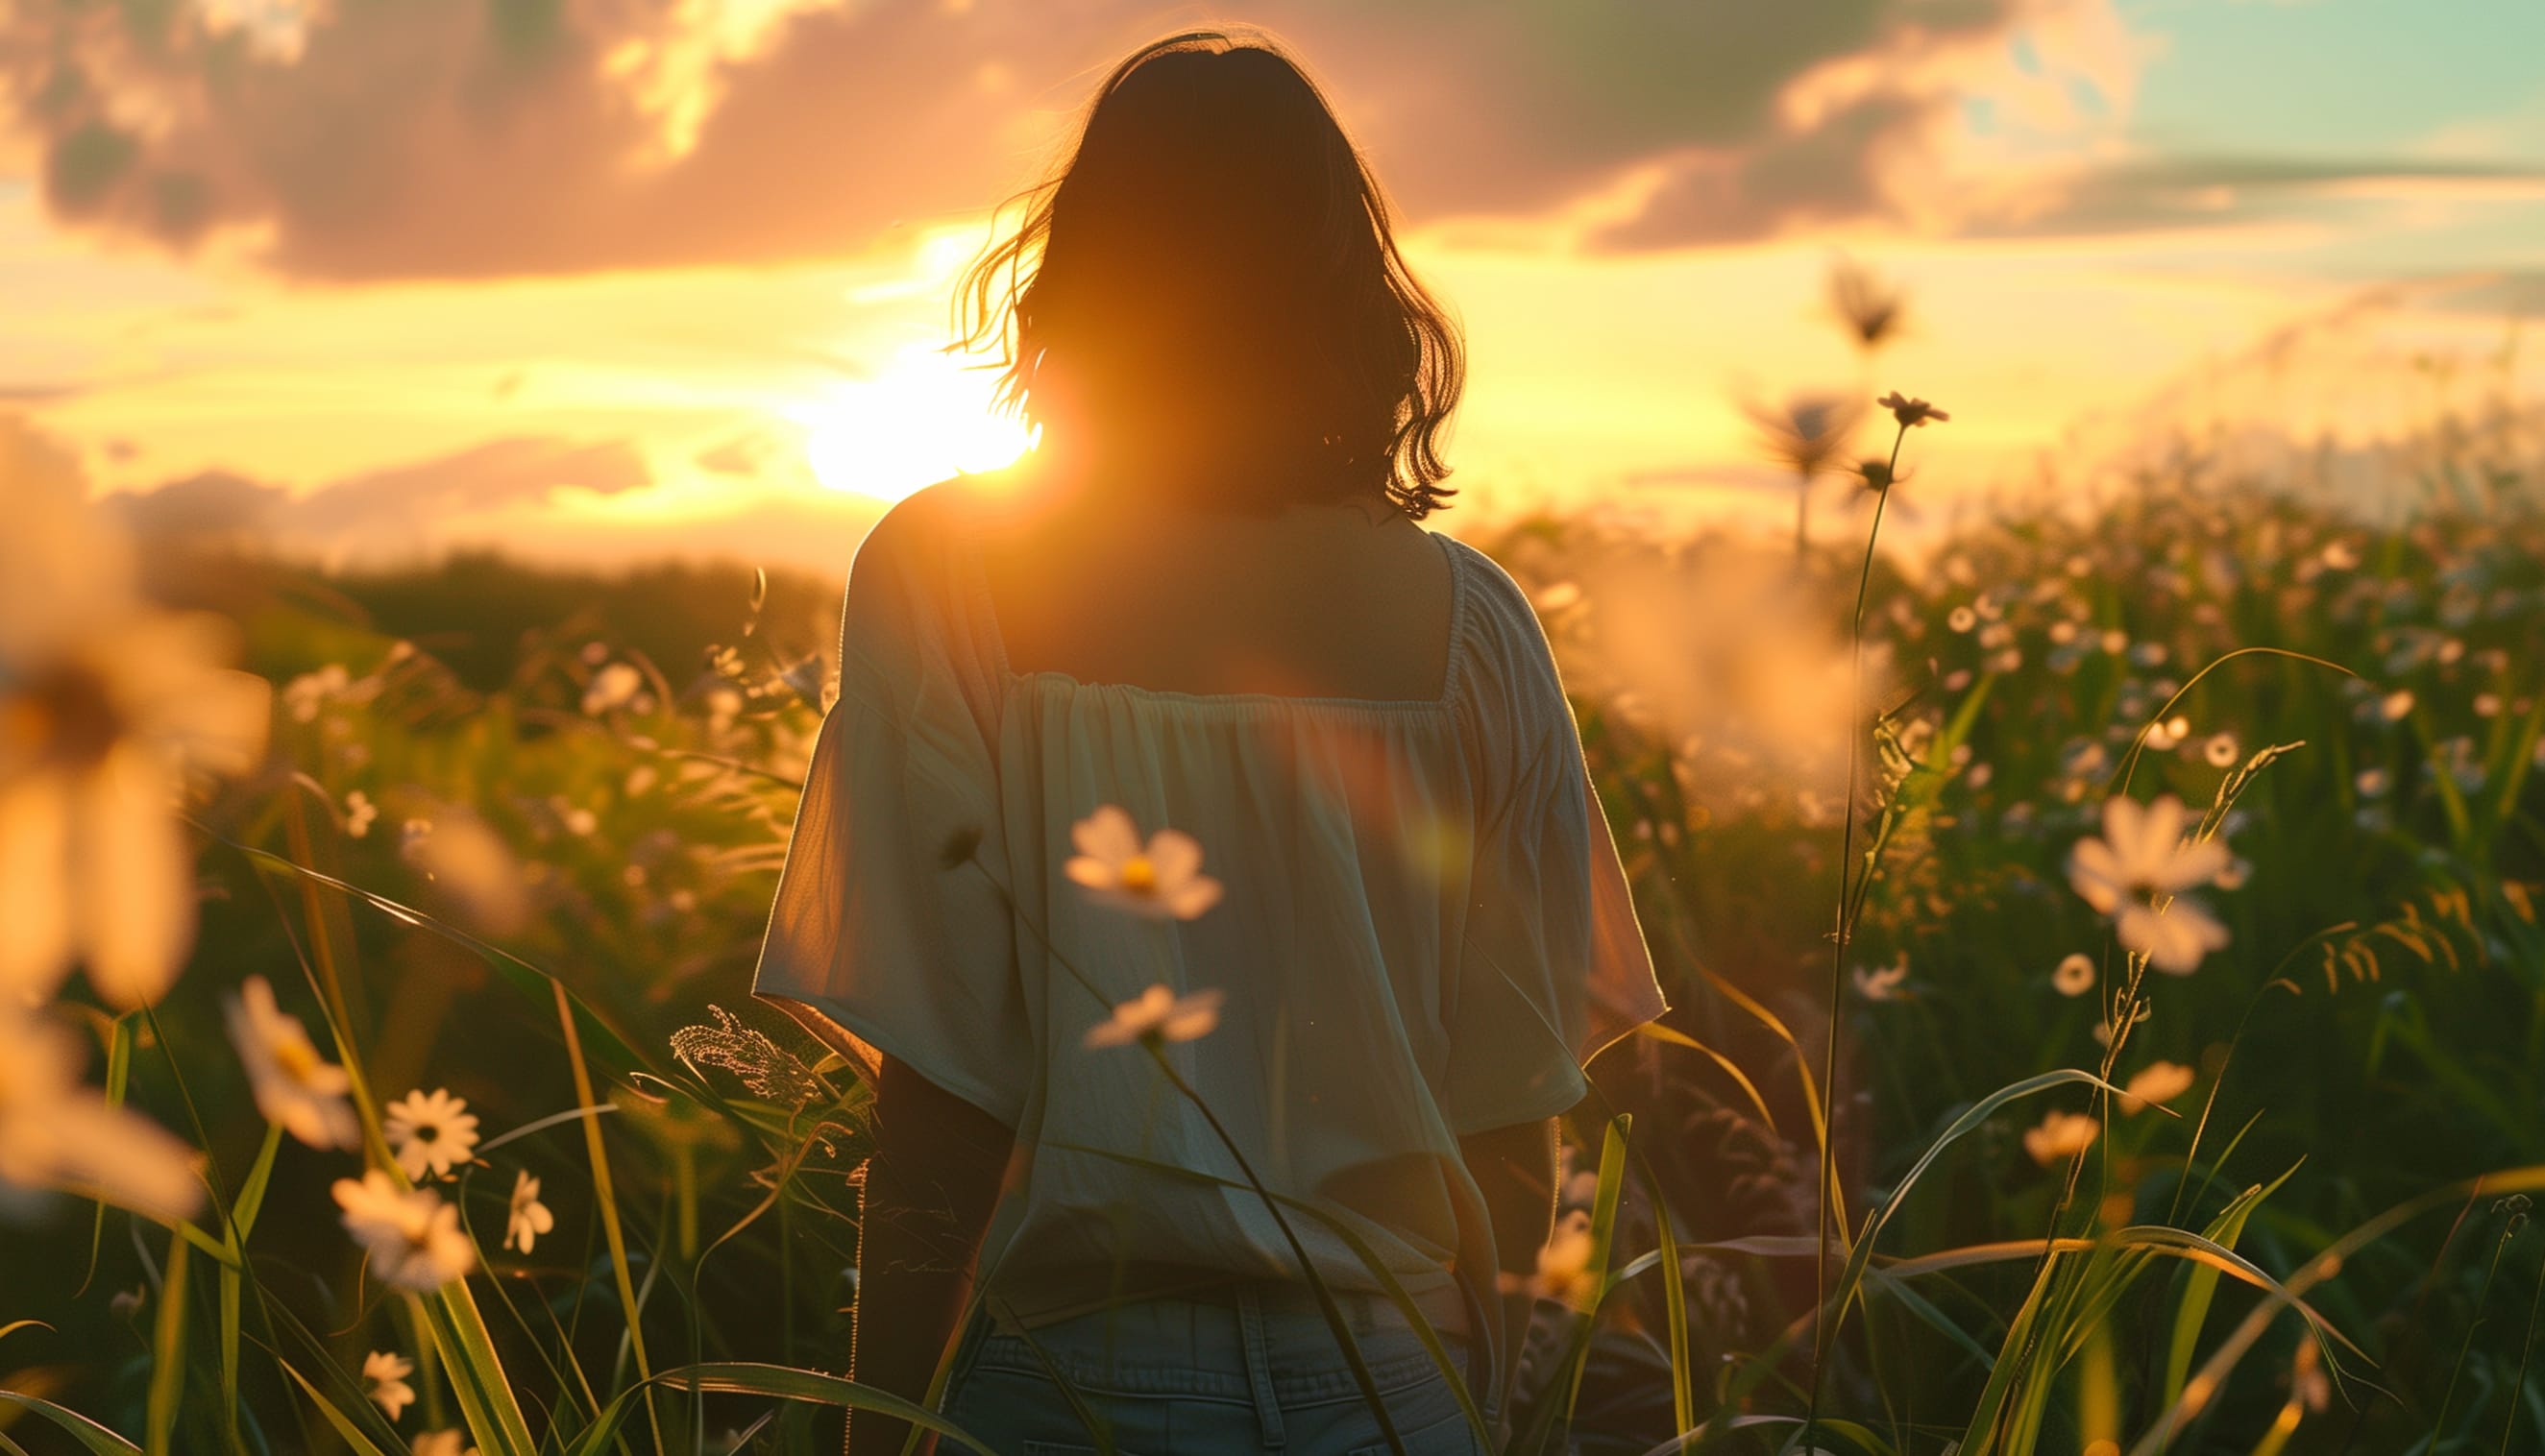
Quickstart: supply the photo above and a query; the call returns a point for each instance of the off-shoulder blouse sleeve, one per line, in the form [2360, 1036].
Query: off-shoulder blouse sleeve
[1553, 966]
[873, 944]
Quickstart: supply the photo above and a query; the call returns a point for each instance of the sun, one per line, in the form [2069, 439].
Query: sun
[920, 418]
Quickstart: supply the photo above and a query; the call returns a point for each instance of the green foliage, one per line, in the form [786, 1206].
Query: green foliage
[2373, 1031]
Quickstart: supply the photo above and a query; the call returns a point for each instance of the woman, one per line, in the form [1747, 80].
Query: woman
[1322, 786]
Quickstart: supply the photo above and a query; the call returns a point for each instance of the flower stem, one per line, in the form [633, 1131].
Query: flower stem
[1825, 1330]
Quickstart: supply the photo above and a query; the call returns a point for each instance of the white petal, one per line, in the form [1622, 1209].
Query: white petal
[1094, 873]
[1190, 901]
[2095, 875]
[134, 884]
[1108, 835]
[2123, 820]
[135, 1163]
[35, 896]
[2198, 864]
[1176, 855]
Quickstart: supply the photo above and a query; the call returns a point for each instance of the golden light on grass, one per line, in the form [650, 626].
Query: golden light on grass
[920, 419]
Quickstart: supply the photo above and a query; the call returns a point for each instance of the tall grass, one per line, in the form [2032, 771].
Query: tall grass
[1814, 1217]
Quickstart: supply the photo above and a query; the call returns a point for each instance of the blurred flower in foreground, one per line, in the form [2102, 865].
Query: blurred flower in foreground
[1910, 411]
[527, 1218]
[2059, 1135]
[2142, 857]
[1883, 984]
[429, 1130]
[57, 1133]
[1160, 1014]
[613, 687]
[413, 1238]
[1806, 436]
[105, 702]
[1869, 308]
[471, 865]
[294, 1084]
[2156, 1084]
[1563, 1265]
[386, 1372]
[442, 1443]
[1162, 881]
[2075, 975]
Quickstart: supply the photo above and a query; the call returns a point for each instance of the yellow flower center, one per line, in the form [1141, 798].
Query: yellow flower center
[297, 1059]
[1139, 877]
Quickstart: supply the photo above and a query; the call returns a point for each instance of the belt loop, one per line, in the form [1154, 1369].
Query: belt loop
[1259, 1363]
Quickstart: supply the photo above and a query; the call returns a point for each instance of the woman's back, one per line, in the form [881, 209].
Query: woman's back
[1424, 929]
[1322, 599]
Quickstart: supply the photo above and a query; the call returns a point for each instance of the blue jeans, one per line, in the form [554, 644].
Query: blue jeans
[1252, 1368]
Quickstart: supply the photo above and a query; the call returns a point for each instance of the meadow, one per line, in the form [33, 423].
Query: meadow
[2217, 1136]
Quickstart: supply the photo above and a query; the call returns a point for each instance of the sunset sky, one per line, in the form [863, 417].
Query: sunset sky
[606, 278]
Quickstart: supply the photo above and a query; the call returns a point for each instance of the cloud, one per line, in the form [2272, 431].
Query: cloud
[429, 139]
[2192, 190]
[402, 511]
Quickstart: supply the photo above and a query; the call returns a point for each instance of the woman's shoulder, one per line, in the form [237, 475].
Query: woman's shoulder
[1507, 668]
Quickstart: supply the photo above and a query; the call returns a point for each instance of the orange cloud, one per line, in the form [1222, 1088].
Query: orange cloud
[422, 139]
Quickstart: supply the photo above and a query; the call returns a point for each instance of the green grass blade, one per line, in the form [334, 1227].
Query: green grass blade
[168, 1354]
[1659, 1032]
[251, 1195]
[353, 1434]
[779, 1381]
[1674, 1297]
[118, 1072]
[91, 1436]
[606, 1199]
[476, 1373]
[2202, 1285]
[1980, 1112]
[1926, 1309]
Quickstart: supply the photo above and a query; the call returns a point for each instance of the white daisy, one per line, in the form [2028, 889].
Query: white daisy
[294, 1084]
[613, 687]
[1158, 1013]
[528, 1217]
[2174, 940]
[2059, 1135]
[1162, 880]
[388, 1372]
[429, 1130]
[1563, 1264]
[413, 1238]
[1883, 984]
[2157, 1083]
[105, 703]
[57, 1133]
[2075, 975]
[442, 1443]
[2142, 857]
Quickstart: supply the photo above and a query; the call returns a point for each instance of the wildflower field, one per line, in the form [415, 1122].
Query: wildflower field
[378, 1073]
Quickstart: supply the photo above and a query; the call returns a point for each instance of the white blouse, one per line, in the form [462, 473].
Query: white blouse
[1424, 932]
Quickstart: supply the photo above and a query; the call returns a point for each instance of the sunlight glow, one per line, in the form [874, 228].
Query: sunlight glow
[920, 419]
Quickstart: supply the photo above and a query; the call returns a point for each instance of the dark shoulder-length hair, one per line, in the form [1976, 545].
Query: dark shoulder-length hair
[1213, 268]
